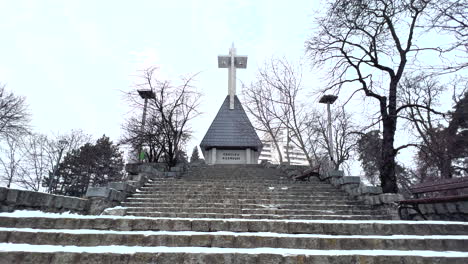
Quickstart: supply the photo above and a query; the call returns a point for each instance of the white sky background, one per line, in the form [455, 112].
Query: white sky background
[73, 59]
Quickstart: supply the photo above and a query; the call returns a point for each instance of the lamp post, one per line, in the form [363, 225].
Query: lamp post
[144, 94]
[329, 99]
[61, 145]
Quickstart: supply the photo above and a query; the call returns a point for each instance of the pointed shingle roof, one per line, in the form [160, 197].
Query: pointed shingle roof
[231, 129]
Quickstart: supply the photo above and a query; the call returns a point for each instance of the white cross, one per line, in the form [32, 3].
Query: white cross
[232, 62]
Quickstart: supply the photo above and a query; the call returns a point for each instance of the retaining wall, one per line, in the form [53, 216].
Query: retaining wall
[97, 199]
[13, 199]
[373, 196]
[370, 195]
[452, 211]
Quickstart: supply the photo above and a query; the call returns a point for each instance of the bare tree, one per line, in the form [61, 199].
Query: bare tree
[150, 136]
[58, 147]
[260, 103]
[36, 163]
[10, 162]
[280, 82]
[344, 136]
[451, 17]
[14, 115]
[366, 45]
[73, 140]
[428, 125]
[314, 142]
[169, 113]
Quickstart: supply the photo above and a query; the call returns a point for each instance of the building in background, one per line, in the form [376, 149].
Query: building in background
[270, 153]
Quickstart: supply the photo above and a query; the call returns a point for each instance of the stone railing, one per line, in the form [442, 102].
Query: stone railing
[13, 199]
[352, 185]
[96, 200]
[451, 211]
[370, 195]
[114, 193]
[106, 199]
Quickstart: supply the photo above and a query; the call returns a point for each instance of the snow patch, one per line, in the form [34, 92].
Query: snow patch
[230, 233]
[8, 247]
[32, 214]
[268, 206]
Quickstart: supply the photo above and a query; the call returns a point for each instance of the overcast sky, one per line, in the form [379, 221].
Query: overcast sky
[72, 59]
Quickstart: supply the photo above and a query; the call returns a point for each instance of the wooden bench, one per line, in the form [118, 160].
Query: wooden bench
[307, 174]
[447, 190]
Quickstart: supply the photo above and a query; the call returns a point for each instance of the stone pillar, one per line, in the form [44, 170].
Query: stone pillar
[248, 159]
[213, 156]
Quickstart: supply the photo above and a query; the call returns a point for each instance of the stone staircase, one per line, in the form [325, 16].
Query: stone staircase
[248, 192]
[232, 214]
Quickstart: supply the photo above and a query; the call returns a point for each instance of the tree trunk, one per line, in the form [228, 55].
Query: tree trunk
[278, 149]
[287, 146]
[388, 179]
[446, 167]
[387, 167]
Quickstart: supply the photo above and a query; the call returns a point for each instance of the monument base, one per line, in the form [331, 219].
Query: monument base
[231, 156]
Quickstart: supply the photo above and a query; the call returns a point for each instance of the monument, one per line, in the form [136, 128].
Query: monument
[231, 138]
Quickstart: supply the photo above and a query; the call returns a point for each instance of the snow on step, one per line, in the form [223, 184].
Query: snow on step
[225, 239]
[275, 251]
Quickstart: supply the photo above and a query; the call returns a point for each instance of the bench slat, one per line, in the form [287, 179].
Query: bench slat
[430, 187]
[450, 184]
[441, 199]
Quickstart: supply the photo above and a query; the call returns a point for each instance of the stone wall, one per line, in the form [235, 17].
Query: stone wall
[105, 200]
[452, 211]
[370, 195]
[373, 196]
[97, 198]
[13, 199]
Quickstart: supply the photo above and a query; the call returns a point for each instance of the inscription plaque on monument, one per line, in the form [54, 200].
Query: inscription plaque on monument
[230, 156]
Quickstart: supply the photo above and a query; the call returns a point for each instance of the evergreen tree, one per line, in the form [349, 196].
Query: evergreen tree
[195, 156]
[368, 148]
[457, 131]
[443, 151]
[90, 165]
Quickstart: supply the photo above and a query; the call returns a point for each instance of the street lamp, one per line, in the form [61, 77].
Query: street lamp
[329, 99]
[144, 94]
[61, 145]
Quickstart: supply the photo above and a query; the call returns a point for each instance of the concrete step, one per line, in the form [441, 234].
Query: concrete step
[94, 238]
[240, 206]
[337, 227]
[245, 187]
[311, 197]
[280, 189]
[49, 254]
[323, 216]
[235, 200]
[241, 192]
[255, 211]
[285, 182]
